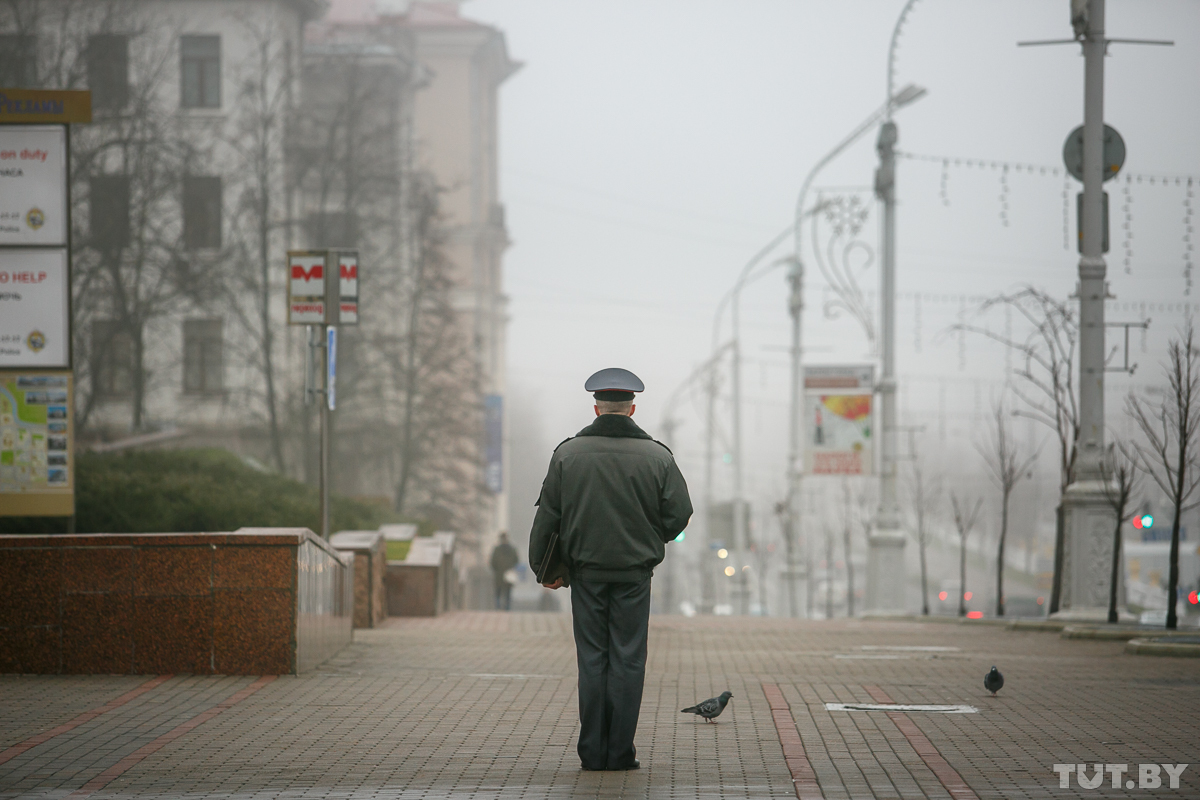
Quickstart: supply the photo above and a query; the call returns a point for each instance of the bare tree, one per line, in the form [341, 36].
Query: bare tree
[436, 374]
[1120, 485]
[133, 265]
[1045, 385]
[263, 109]
[923, 498]
[1168, 454]
[965, 517]
[1007, 466]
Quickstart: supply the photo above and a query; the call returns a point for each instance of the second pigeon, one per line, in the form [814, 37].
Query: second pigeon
[710, 708]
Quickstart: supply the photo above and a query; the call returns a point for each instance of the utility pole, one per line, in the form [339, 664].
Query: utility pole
[1087, 517]
[792, 518]
[886, 578]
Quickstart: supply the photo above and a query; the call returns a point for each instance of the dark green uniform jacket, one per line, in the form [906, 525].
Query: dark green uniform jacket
[616, 498]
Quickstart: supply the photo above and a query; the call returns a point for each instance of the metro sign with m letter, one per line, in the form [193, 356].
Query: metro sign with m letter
[348, 287]
[306, 287]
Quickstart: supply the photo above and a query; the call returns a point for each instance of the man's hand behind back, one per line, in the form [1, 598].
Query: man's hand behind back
[556, 585]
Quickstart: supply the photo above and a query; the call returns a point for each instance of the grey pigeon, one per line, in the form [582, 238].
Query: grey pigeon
[712, 707]
[993, 681]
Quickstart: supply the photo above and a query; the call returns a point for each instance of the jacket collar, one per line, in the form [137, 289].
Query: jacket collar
[617, 426]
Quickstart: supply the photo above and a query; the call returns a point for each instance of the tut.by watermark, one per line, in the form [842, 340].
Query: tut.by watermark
[1149, 776]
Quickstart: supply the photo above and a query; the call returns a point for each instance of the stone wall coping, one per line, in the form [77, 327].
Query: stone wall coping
[262, 537]
[357, 541]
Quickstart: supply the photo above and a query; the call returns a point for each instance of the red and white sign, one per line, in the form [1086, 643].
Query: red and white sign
[348, 288]
[306, 287]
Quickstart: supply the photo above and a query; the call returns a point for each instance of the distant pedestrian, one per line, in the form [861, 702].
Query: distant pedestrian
[615, 497]
[504, 562]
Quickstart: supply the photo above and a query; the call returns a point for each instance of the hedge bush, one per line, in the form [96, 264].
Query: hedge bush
[165, 491]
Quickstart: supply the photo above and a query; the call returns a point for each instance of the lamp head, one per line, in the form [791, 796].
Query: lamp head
[908, 95]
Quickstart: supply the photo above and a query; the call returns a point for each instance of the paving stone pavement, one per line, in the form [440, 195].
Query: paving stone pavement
[482, 705]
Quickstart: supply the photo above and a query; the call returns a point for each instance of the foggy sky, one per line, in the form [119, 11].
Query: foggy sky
[650, 147]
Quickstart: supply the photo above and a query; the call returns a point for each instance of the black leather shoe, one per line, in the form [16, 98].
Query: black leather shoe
[635, 764]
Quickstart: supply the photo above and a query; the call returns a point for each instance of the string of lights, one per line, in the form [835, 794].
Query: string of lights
[1127, 180]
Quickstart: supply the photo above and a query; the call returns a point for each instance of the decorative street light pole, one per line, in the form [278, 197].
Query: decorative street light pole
[886, 578]
[795, 471]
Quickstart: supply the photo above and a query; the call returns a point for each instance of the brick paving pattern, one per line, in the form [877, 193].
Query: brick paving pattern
[482, 705]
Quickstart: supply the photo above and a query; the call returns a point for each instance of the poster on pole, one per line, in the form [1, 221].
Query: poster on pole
[34, 324]
[839, 429]
[347, 287]
[37, 450]
[306, 287]
[33, 185]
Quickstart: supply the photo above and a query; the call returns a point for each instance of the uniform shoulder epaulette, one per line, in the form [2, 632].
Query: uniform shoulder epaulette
[564, 441]
[664, 447]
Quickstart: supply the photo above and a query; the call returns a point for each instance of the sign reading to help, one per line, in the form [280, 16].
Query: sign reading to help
[306, 287]
[34, 327]
[348, 287]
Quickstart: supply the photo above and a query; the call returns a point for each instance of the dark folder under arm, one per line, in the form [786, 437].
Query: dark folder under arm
[553, 566]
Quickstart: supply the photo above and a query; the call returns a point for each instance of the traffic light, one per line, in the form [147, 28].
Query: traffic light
[1143, 522]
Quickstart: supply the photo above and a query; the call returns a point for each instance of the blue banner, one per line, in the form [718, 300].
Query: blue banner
[493, 432]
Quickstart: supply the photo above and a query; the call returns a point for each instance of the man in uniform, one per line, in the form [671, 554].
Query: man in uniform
[615, 497]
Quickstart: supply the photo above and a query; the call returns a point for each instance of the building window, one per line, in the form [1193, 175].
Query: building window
[18, 60]
[201, 212]
[112, 360]
[108, 71]
[201, 71]
[202, 356]
[108, 212]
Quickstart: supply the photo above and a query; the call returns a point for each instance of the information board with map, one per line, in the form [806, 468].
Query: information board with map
[36, 444]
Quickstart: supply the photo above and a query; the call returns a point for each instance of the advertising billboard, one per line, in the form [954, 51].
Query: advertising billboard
[839, 424]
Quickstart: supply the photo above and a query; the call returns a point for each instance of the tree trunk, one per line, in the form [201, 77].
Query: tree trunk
[138, 376]
[268, 338]
[962, 574]
[1116, 565]
[1000, 553]
[849, 576]
[1173, 572]
[924, 573]
[1056, 585]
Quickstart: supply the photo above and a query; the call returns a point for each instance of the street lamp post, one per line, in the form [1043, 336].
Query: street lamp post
[1087, 516]
[909, 94]
[886, 578]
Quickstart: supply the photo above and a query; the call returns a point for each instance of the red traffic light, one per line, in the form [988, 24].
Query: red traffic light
[1137, 522]
[1194, 597]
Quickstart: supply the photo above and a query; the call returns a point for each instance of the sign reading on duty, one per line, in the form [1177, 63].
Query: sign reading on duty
[837, 407]
[322, 287]
[33, 185]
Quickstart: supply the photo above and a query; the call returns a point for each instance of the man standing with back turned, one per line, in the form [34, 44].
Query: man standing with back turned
[616, 498]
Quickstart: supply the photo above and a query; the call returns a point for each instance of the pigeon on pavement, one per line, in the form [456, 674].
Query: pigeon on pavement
[993, 681]
[712, 707]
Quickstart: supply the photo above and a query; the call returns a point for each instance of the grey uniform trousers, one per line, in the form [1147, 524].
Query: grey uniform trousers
[611, 621]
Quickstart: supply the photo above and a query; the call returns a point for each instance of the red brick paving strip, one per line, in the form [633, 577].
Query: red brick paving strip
[87, 716]
[116, 770]
[945, 773]
[804, 780]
